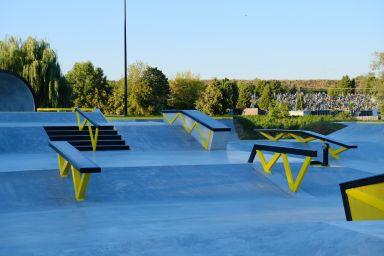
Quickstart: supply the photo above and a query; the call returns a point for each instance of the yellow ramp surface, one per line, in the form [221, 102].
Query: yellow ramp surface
[364, 198]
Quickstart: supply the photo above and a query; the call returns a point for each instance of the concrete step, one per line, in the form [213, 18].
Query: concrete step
[53, 128]
[77, 132]
[103, 147]
[99, 142]
[83, 137]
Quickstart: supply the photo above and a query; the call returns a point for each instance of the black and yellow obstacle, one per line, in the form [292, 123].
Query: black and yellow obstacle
[70, 158]
[210, 133]
[88, 134]
[363, 199]
[282, 152]
[305, 136]
[88, 121]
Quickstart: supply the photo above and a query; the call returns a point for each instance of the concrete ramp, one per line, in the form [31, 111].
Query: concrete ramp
[359, 132]
[16, 94]
[368, 157]
[27, 119]
[193, 210]
[157, 137]
[169, 196]
[23, 140]
[23, 132]
[42, 190]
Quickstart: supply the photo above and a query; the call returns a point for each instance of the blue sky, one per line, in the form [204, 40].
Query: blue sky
[241, 39]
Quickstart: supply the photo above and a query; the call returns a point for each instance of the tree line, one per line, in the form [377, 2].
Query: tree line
[149, 90]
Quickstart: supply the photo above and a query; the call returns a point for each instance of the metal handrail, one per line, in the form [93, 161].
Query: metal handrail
[79, 111]
[90, 122]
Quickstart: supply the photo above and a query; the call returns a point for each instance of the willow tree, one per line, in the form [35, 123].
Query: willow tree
[37, 62]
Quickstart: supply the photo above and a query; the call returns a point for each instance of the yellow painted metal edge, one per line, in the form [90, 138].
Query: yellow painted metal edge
[335, 153]
[292, 184]
[366, 198]
[204, 141]
[80, 183]
[272, 138]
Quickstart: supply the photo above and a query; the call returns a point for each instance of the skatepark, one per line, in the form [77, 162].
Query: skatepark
[167, 195]
[200, 128]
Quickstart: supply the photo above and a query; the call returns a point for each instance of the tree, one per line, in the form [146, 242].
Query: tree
[343, 87]
[246, 91]
[377, 66]
[149, 94]
[89, 85]
[259, 86]
[37, 62]
[367, 83]
[278, 110]
[185, 89]
[266, 98]
[299, 101]
[211, 100]
[116, 100]
[115, 104]
[276, 87]
[230, 93]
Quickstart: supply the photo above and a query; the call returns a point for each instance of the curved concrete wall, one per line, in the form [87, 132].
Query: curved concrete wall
[15, 93]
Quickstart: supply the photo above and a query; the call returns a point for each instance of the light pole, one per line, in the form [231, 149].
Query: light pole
[125, 61]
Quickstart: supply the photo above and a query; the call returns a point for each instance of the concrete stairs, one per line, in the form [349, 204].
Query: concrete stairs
[108, 138]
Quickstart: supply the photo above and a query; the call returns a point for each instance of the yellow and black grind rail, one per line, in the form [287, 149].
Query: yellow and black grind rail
[205, 126]
[282, 152]
[70, 158]
[64, 109]
[363, 199]
[204, 139]
[304, 136]
[89, 122]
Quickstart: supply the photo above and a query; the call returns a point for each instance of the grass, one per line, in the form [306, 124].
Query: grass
[245, 125]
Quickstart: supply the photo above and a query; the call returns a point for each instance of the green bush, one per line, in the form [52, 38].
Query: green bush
[245, 125]
[344, 116]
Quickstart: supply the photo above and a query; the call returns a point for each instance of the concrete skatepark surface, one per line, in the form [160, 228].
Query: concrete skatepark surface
[15, 93]
[168, 196]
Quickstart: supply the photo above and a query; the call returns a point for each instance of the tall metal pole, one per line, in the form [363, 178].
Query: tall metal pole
[125, 61]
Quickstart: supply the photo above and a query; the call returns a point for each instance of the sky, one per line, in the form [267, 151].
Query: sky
[237, 39]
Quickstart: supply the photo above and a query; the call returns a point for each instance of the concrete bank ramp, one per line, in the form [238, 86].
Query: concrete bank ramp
[23, 132]
[157, 135]
[360, 132]
[38, 190]
[368, 157]
[143, 137]
[15, 93]
[193, 210]
[27, 119]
